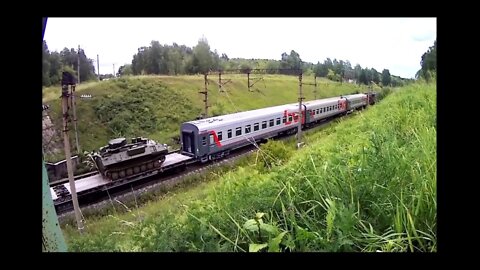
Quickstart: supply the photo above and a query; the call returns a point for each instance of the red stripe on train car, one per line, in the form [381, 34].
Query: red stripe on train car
[215, 138]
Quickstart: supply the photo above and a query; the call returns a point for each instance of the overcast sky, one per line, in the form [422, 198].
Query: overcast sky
[396, 44]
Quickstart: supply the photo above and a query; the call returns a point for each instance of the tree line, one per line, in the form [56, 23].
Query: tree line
[54, 63]
[428, 64]
[180, 59]
[176, 60]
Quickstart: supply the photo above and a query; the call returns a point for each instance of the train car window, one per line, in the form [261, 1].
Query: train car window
[219, 135]
[289, 118]
[284, 120]
[229, 133]
[256, 127]
[317, 111]
[278, 121]
[238, 131]
[204, 141]
[212, 141]
[248, 129]
[313, 112]
[264, 124]
[271, 123]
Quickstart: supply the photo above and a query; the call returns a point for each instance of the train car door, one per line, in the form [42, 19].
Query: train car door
[188, 142]
[203, 144]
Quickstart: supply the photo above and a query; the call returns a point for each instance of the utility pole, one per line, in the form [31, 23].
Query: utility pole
[220, 81]
[300, 116]
[78, 64]
[250, 85]
[315, 91]
[74, 104]
[98, 68]
[67, 79]
[205, 92]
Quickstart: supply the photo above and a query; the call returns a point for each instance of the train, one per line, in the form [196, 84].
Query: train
[120, 163]
[213, 138]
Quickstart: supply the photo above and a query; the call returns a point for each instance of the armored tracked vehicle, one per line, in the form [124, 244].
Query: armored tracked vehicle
[119, 160]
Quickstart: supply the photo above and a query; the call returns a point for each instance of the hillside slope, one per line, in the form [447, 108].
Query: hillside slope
[155, 106]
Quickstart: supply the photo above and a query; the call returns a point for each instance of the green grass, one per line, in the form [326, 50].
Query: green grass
[367, 183]
[155, 106]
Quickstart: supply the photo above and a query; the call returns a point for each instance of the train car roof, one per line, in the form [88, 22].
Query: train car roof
[321, 101]
[354, 96]
[227, 119]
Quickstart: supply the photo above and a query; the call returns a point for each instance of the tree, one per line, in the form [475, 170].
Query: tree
[358, 72]
[45, 65]
[53, 63]
[362, 78]
[428, 63]
[294, 61]
[375, 76]
[202, 57]
[125, 70]
[290, 61]
[55, 72]
[272, 65]
[386, 77]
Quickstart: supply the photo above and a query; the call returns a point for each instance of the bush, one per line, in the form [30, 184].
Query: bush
[272, 154]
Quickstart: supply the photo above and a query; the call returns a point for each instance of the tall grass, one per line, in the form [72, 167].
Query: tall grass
[365, 184]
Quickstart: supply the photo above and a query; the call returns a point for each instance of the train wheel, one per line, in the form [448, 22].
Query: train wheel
[114, 176]
[122, 173]
[136, 169]
[156, 164]
[150, 165]
[143, 168]
[129, 171]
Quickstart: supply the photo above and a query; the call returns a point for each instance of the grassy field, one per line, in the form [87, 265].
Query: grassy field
[367, 183]
[155, 106]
